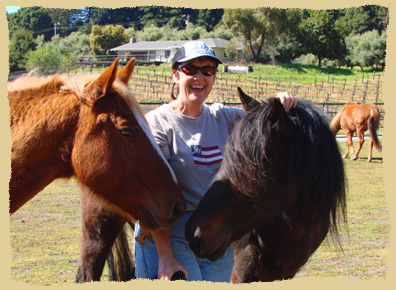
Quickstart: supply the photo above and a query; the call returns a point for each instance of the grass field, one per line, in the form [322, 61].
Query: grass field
[45, 233]
[310, 72]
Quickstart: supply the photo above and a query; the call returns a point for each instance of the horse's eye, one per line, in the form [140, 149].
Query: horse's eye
[129, 132]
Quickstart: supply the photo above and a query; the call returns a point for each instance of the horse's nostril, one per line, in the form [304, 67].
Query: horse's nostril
[177, 211]
[197, 241]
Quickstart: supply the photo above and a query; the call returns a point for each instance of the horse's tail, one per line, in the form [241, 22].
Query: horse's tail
[335, 124]
[120, 261]
[373, 123]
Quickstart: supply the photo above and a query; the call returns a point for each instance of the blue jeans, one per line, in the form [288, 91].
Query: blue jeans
[146, 257]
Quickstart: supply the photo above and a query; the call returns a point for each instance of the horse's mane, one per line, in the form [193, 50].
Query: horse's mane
[248, 161]
[75, 84]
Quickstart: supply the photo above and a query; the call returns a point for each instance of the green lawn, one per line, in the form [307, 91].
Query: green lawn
[366, 243]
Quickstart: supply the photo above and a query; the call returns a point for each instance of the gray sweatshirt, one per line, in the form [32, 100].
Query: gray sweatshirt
[194, 147]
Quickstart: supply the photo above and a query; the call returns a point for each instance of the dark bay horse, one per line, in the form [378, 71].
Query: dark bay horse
[279, 191]
[90, 127]
[358, 118]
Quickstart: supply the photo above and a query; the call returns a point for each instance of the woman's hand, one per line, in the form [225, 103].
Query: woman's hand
[287, 99]
[167, 263]
[167, 266]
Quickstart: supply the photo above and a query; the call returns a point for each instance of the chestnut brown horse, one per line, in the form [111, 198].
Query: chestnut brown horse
[91, 127]
[358, 118]
[279, 191]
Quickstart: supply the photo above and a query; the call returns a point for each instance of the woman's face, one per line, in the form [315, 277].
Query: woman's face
[196, 88]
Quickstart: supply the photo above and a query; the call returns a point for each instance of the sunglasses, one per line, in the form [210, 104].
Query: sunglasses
[190, 69]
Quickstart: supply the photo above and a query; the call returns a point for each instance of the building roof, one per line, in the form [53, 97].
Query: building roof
[167, 44]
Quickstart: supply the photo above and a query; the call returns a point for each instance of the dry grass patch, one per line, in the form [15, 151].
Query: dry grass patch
[45, 233]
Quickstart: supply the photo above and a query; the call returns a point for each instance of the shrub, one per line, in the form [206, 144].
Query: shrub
[43, 57]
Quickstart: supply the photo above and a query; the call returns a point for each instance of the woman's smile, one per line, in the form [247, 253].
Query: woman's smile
[197, 88]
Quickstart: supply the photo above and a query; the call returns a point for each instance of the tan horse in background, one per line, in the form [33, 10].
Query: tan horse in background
[358, 118]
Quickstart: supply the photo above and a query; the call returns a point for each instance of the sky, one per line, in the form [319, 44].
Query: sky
[12, 9]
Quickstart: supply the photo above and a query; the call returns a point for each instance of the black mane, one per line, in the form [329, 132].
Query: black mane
[302, 139]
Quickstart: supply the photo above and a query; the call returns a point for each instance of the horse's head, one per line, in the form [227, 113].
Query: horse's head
[248, 187]
[116, 156]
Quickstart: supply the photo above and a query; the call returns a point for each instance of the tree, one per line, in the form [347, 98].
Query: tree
[287, 43]
[257, 28]
[366, 49]
[209, 18]
[160, 16]
[118, 16]
[43, 57]
[36, 19]
[357, 20]
[166, 32]
[352, 21]
[192, 32]
[150, 33]
[232, 49]
[61, 20]
[378, 17]
[104, 38]
[318, 36]
[21, 43]
[74, 45]
[79, 18]
[220, 31]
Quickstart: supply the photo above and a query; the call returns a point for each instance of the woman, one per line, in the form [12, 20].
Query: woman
[192, 136]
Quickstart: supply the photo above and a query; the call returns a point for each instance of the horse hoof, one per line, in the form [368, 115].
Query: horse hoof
[353, 158]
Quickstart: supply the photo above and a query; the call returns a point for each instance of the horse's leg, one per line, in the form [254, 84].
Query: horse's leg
[346, 150]
[247, 266]
[250, 264]
[370, 151]
[348, 144]
[100, 228]
[360, 134]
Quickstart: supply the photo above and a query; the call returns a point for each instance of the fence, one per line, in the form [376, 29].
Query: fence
[153, 87]
[156, 87]
[106, 60]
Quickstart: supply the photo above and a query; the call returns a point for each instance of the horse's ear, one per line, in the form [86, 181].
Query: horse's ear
[248, 102]
[277, 108]
[125, 73]
[278, 116]
[102, 84]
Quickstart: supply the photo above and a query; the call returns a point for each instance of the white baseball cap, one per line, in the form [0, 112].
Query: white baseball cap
[193, 49]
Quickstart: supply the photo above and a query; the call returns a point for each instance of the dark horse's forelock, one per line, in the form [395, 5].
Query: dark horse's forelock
[304, 135]
[240, 153]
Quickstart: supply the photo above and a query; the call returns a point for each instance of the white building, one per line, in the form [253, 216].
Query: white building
[163, 51]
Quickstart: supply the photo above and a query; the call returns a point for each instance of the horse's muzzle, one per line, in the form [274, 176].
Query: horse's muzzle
[151, 220]
[203, 249]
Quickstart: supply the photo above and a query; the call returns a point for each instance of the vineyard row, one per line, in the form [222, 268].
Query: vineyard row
[157, 88]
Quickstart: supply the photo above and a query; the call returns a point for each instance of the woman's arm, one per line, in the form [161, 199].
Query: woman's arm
[167, 263]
